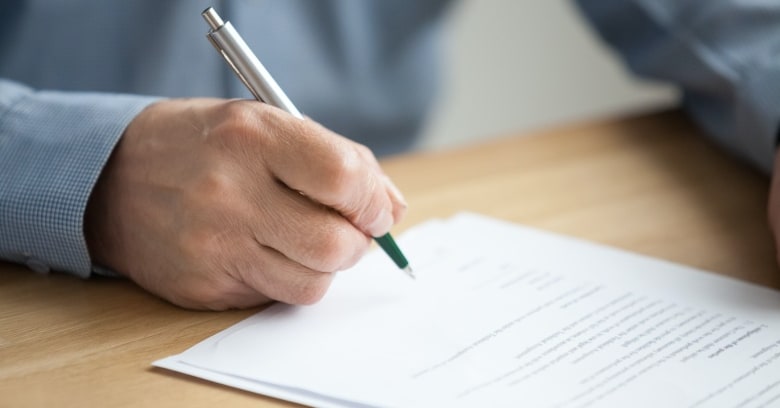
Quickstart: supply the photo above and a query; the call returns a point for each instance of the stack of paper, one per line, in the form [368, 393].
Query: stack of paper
[502, 315]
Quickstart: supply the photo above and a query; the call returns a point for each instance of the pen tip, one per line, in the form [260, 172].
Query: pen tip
[410, 272]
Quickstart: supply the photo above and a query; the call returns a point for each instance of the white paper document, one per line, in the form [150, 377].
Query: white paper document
[503, 315]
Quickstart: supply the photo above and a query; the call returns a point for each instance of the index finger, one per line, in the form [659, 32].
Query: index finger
[329, 169]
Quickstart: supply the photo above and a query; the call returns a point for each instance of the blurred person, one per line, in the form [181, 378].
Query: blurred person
[195, 195]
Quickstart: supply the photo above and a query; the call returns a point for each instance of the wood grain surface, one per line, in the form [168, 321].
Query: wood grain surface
[650, 185]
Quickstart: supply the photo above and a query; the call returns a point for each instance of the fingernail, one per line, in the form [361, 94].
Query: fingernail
[381, 224]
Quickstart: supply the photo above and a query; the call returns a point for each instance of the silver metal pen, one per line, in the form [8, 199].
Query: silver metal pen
[245, 64]
[253, 74]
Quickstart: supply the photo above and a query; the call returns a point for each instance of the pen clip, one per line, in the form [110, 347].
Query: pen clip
[232, 66]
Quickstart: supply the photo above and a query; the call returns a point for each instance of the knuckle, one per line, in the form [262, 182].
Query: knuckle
[343, 172]
[218, 197]
[212, 186]
[237, 112]
[365, 152]
[237, 124]
[332, 247]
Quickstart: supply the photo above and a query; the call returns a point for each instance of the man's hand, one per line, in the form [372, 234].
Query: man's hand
[219, 204]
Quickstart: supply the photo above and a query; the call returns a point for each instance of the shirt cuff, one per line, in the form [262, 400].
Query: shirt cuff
[53, 146]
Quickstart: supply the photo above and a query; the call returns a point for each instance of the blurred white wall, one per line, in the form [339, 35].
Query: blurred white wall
[513, 66]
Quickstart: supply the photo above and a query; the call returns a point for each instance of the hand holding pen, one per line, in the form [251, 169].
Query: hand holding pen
[264, 88]
[200, 204]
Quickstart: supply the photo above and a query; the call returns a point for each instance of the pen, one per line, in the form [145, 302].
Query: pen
[256, 78]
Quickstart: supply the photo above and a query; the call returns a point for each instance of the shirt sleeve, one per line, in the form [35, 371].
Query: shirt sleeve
[53, 146]
[723, 54]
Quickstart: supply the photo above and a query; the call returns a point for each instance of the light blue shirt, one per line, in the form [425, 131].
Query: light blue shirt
[73, 71]
[723, 54]
[364, 69]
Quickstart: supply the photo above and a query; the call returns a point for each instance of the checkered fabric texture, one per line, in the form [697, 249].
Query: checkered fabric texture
[52, 148]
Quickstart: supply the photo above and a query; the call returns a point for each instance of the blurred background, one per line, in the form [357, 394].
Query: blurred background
[514, 66]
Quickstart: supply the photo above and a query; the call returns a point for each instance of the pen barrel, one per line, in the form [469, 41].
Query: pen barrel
[212, 18]
[250, 69]
[387, 243]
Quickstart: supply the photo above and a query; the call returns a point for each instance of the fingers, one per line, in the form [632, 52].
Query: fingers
[243, 274]
[329, 169]
[284, 280]
[231, 204]
[237, 296]
[258, 275]
[338, 176]
[306, 232]
[396, 197]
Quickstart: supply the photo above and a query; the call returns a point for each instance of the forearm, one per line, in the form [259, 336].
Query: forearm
[53, 146]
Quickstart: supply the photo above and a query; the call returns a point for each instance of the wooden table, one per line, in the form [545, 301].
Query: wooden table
[649, 185]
